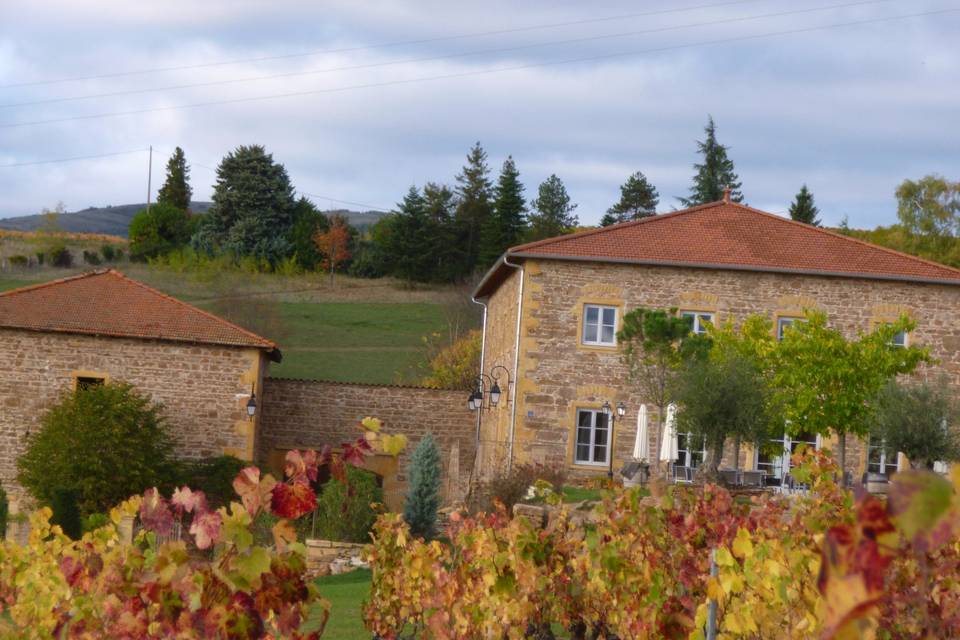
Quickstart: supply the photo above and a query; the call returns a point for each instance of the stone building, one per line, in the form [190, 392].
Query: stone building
[103, 326]
[552, 309]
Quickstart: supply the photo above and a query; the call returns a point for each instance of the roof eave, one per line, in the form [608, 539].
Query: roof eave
[736, 267]
[270, 349]
[480, 291]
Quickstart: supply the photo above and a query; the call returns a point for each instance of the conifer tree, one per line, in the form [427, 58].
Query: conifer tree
[638, 199]
[473, 189]
[802, 208]
[405, 253]
[443, 256]
[423, 496]
[714, 174]
[552, 210]
[176, 189]
[506, 226]
[253, 207]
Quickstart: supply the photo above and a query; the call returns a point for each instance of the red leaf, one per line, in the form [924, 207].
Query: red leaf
[253, 489]
[155, 513]
[354, 453]
[205, 529]
[293, 500]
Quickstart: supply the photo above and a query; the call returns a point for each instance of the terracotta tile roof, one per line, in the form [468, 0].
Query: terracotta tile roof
[108, 303]
[727, 235]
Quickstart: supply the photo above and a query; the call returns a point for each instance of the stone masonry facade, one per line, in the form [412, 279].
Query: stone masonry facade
[559, 375]
[300, 414]
[204, 389]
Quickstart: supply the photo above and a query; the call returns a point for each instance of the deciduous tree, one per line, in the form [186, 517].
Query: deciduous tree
[334, 244]
[158, 231]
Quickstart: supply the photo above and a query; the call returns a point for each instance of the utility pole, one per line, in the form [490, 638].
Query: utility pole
[149, 176]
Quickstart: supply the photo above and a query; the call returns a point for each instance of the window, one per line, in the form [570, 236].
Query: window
[599, 325]
[900, 340]
[687, 456]
[783, 323]
[698, 320]
[880, 459]
[774, 457]
[88, 382]
[592, 437]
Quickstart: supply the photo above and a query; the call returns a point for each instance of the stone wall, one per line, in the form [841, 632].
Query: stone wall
[299, 414]
[204, 389]
[559, 375]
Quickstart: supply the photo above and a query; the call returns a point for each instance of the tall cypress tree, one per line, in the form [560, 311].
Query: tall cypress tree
[423, 496]
[802, 208]
[552, 210]
[506, 226]
[714, 174]
[473, 189]
[638, 199]
[176, 189]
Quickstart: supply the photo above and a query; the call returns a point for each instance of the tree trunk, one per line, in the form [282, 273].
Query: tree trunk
[736, 453]
[843, 459]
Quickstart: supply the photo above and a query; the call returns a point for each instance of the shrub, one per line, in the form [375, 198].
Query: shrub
[94, 521]
[109, 252]
[511, 487]
[66, 512]
[61, 257]
[103, 442]
[456, 366]
[423, 496]
[19, 261]
[158, 231]
[344, 512]
[41, 257]
[91, 257]
[214, 476]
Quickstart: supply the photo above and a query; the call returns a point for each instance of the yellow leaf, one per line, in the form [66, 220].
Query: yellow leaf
[742, 546]
[393, 445]
[724, 559]
[372, 424]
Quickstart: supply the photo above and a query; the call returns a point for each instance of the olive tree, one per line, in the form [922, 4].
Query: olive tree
[919, 421]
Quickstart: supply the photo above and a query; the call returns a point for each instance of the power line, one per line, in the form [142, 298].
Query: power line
[372, 65]
[91, 157]
[478, 34]
[479, 72]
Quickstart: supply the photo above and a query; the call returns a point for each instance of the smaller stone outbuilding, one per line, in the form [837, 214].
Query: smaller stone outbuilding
[102, 326]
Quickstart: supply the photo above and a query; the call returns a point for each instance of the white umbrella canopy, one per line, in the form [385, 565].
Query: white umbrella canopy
[641, 446]
[669, 447]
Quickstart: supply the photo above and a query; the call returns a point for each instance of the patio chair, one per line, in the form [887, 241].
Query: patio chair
[682, 475]
[729, 477]
[752, 479]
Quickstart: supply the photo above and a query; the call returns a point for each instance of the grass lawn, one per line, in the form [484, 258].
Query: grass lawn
[346, 593]
[354, 341]
[9, 283]
[580, 494]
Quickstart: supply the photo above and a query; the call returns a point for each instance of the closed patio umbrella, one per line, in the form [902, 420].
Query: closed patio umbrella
[669, 446]
[641, 446]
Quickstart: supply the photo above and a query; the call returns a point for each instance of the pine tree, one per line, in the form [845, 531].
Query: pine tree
[423, 496]
[473, 189]
[714, 174]
[552, 210]
[442, 255]
[638, 199]
[802, 208]
[506, 226]
[404, 253]
[176, 188]
[253, 207]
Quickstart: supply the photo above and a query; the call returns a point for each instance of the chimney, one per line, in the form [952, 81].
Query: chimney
[726, 194]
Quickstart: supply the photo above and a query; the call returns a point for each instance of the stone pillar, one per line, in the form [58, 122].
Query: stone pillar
[453, 492]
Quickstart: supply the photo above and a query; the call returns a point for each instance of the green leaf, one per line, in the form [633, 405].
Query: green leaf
[250, 566]
[918, 501]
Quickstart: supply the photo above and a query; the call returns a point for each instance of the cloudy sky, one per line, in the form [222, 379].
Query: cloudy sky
[359, 100]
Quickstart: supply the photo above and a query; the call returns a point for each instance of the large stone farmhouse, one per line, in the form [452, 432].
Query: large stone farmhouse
[553, 308]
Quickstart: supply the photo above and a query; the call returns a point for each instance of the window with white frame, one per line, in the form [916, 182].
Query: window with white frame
[599, 325]
[880, 458]
[593, 437]
[698, 320]
[688, 452]
[773, 457]
[900, 339]
[785, 322]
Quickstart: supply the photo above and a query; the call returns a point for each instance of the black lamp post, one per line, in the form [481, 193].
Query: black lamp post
[252, 404]
[612, 417]
[475, 400]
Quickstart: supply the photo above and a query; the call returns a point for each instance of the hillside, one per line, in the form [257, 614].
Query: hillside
[114, 220]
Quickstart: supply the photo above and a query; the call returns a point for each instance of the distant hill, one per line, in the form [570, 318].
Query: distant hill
[114, 220]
